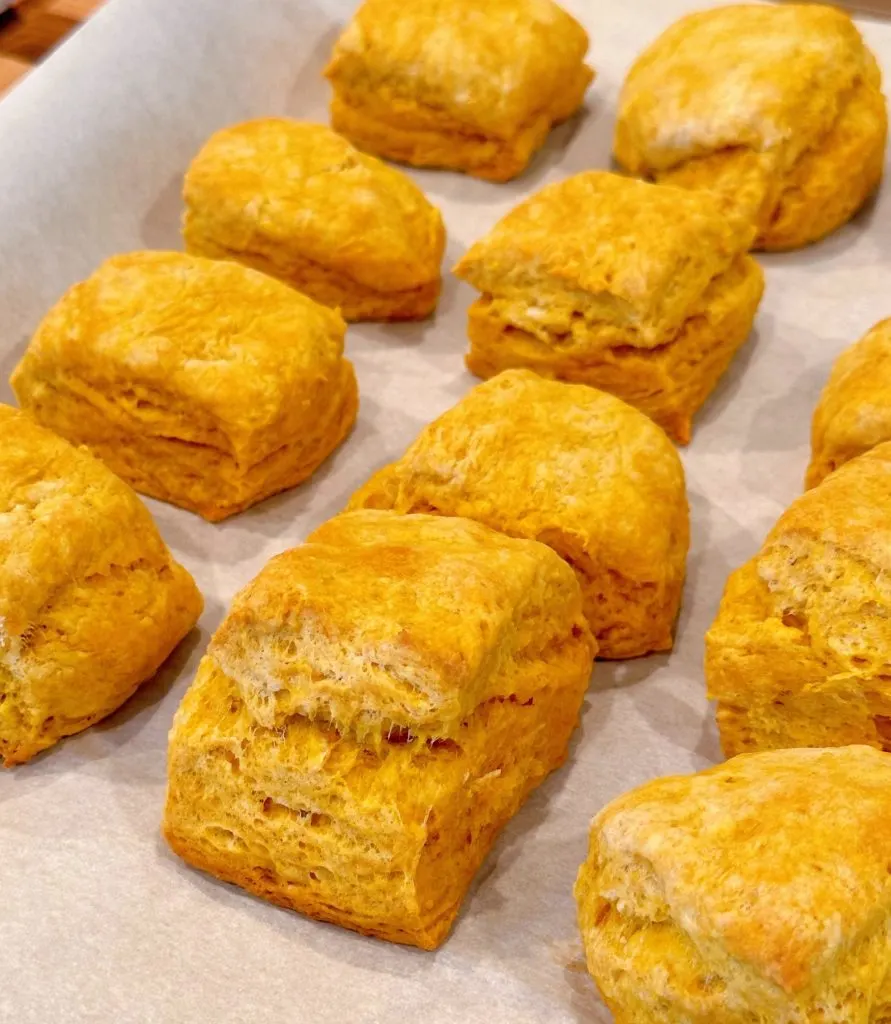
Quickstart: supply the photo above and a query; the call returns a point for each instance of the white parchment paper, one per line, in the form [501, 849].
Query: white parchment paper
[98, 921]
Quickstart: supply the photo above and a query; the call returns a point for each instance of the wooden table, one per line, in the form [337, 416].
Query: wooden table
[32, 29]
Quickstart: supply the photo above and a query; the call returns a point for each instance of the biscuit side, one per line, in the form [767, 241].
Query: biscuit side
[354, 301]
[428, 139]
[599, 258]
[382, 841]
[669, 383]
[91, 601]
[852, 415]
[203, 478]
[446, 69]
[800, 652]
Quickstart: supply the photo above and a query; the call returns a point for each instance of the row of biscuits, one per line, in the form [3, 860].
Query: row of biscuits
[676, 929]
[369, 582]
[529, 458]
[778, 108]
[592, 280]
[645, 291]
[641, 290]
[338, 755]
[361, 812]
[760, 890]
[182, 373]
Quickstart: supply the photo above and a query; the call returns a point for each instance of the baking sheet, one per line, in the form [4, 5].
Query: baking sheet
[98, 921]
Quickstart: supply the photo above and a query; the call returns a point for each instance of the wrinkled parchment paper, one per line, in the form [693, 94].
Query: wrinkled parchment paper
[98, 921]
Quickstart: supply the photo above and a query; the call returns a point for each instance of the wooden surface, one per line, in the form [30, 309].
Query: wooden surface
[34, 27]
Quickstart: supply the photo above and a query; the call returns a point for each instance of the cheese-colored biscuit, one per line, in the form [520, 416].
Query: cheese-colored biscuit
[91, 601]
[642, 290]
[757, 892]
[572, 467]
[778, 106]
[298, 202]
[800, 653]
[854, 411]
[376, 706]
[448, 83]
[199, 382]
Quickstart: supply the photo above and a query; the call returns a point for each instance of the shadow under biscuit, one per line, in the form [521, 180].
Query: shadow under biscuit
[585, 1003]
[670, 716]
[488, 913]
[709, 745]
[578, 144]
[838, 243]
[431, 335]
[305, 100]
[698, 563]
[160, 228]
[709, 423]
[9, 359]
[781, 425]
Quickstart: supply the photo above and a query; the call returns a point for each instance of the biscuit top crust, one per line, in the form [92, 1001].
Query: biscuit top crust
[615, 250]
[827, 564]
[763, 77]
[203, 350]
[488, 66]
[778, 860]
[382, 623]
[302, 187]
[570, 465]
[64, 517]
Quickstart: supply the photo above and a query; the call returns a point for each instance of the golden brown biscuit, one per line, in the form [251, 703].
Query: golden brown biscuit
[800, 653]
[201, 383]
[572, 467]
[378, 703]
[854, 411]
[91, 601]
[778, 106]
[448, 83]
[298, 202]
[644, 291]
[757, 892]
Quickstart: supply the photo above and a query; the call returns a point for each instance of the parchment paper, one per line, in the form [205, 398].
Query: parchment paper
[98, 921]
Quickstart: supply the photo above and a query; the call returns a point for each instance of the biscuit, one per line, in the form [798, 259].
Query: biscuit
[572, 467]
[201, 383]
[757, 892]
[375, 707]
[800, 652]
[442, 83]
[644, 291]
[91, 601]
[854, 411]
[778, 106]
[298, 202]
